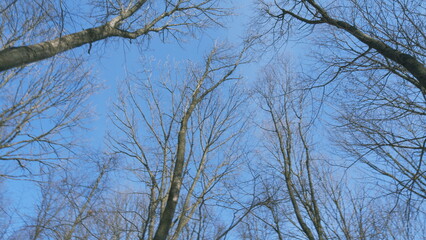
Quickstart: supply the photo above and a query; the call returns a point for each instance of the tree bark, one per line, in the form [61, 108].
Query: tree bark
[416, 68]
[18, 56]
[174, 192]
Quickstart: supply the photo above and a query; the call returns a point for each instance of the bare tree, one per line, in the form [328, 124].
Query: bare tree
[182, 136]
[305, 196]
[288, 145]
[40, 109]
[383, 127]
[377, 49]
[23, 20]
[389, 34]
[68, 203]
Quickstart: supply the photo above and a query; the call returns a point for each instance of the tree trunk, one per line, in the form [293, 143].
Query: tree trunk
[172, 200]
[18, 56]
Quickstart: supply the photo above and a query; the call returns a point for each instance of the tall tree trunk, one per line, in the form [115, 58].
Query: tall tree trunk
[172, 200]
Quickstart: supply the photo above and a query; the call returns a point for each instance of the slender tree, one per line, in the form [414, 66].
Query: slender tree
[306, 195]
[187, 151]
[376, 50]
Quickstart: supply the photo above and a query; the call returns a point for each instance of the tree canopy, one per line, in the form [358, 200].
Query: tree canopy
[311, 125]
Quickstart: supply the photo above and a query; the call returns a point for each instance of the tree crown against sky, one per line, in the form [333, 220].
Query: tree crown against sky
[201, 153]
[373, 53]
[44, 32]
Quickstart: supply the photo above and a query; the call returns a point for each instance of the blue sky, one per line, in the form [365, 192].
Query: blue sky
[120, 58]
[111, 62]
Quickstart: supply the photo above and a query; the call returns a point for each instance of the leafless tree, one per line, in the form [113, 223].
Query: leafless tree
[377, 51]
[68, 202]
[288, 145]
[304, 196]
[181, 134]
[380, 34]
[28, 36]
[383, 126]
[40, 109]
